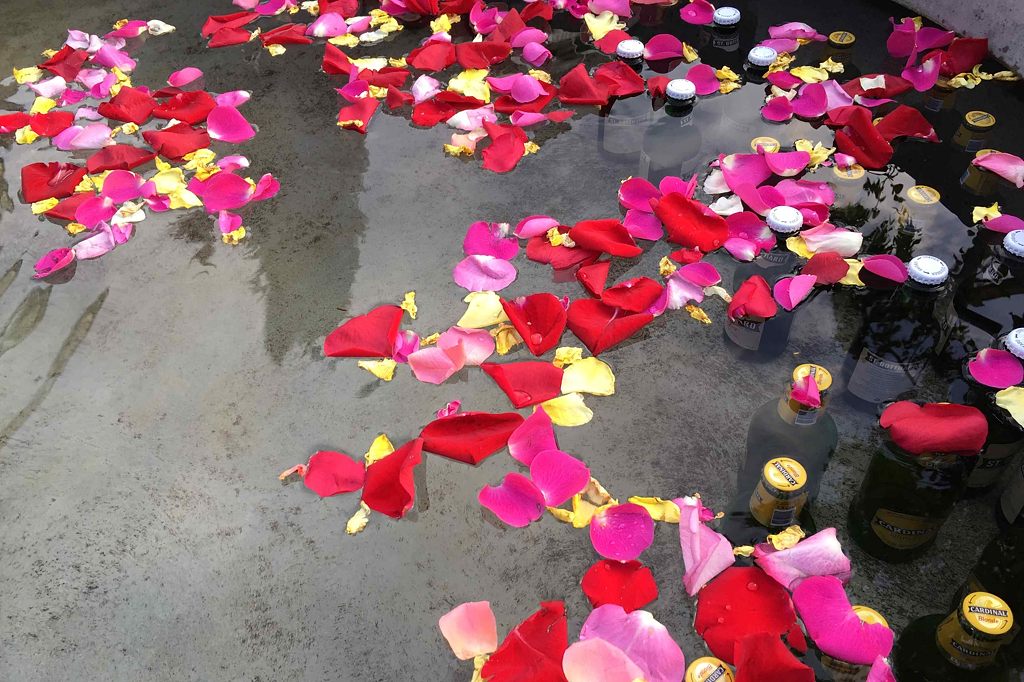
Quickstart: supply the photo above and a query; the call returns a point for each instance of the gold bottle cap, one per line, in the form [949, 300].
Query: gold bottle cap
[923, 194]
[708, 669]
[841, 39]
[822, 377]
[785, 474]
[854, 172]
[987, 613]
[768, 144]
[979, 120]
[869, 615]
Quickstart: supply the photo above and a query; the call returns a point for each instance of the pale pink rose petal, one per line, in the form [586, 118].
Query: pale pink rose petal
[699, 12]
[535, 435]
[996, 368]
[328, 25]
[820, 554]
[51, 87]
[525, 119]
[663, 46]
[475, 345]
[232, 162]
[99, 243]
[75, 138]
[450, 408]
[636, 193]
[837, 97]
[228, 125]
[110, 57]
[795, 29]
[406, 343]
[122, 186]
[787, 164]
[88, 114]
[595, 660]
[1005, 223]
[424, 88]
[778, 109]
[528, 35]
[703, 77]
[641, 225]
[812, 102]
[226, 221]
[79, 40]
[643, 639]
[470, 629]
[886, 266]
[705, 552]
[741, 249]
[472, 119]
[490, 239]
[828, 237]
[1004, 165]
[715, 183]
[536, 54]
[924, 76]
[796, 192]
[880, 671]
[831, 622]
[517, 501]
[805, 391]
[535, 226]
[558, 475]
[95, 210]
[484, 273]
[235, 98]
[362, 25]
[184, 76]
[433, 365]
[621, 532]
[727, 206]
[781, 45]
[53, 261]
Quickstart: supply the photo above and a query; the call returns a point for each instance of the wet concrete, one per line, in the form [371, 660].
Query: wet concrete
[146, 412]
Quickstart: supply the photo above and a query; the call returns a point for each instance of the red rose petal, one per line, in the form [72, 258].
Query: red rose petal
[221, 21]
[286, 34]
[228, 36]
[762, 656]
[504, 152]
[635, 295]
[533, 650]
[66, 208]
[753, 300]
[935, 427]
[607, 236]
[690, 223]
[335, 62]
[594, 276]
[51, 123]
[577, 87]
[601, 326]
[506, 104]
[357, 115]
[828, 266]
[511, 24]
[118, 157]
[435, 56]
[962, 55]
[539, 250]
[620, 79]
[398, 98]
[526, 383]
[66, 63]
[904, 121]
[367, 336]
[11, 122]
[469, 437]
[858, 137]
[389, 76]
[332, 473]
[190, 107]
[481, 55]
[611, 40]
[49, 180]
[442, 107]
[539, 319]
[629, 584]
[389, 487]
[177, 141]
[130, 105]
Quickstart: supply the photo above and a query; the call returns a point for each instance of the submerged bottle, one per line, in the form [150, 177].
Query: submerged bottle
[992, 290]
[1010, 510]
[901, 332]
[621, 125]
[829, 669]
[974, 131]
[768, 338]
[977, 180]
[725, 29]
[840, 48]
[758, 60]
[708, 669]
[806, 433]
[1000, 570]
[960, 647]
[778, 501]
[672, 145]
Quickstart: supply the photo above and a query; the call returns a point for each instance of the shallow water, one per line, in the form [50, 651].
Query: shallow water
[147, 406]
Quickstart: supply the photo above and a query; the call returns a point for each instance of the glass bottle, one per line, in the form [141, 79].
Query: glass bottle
[806, 434]
[725, 29]
[960, 647]
[903, 501]
[977, 180]
[672, 145]
[758, 60]
[1010, 511]
[1000, 570]
[941, 97]
[901, 332]
[778, 501]
[990, 297]
[708, 669]
[974, 131]
[829, 669]
[621, 125]
[840, 48]
[768, 338]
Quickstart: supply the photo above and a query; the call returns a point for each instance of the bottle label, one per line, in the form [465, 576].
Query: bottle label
[772, 511]
[773, 257]
[1011, 502]
[806, 417]
[708, 669]
[745, 333]
[961, 649]
[793, 412]
[991, 464]
[876, 379]
[904, 531]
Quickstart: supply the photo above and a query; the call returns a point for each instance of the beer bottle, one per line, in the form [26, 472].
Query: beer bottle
[758, 60]
[672, 144]
[778, 501]
[960, 647]
[901, 332]
[621, 124]
[829, 669]
[708, 669]
[991, 288]
[807, 434]
[762, 340]
[1000, 570]
[1010, 511]
[840, 48]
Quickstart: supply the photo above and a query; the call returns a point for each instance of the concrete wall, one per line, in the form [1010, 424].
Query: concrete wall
[1001, 21]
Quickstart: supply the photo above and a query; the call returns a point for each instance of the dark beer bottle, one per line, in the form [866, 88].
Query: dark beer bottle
[960, 647]
[778, 501]
[992, 290]
[1000, 570]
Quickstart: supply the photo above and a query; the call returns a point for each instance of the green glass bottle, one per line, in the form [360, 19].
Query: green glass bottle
[960, 647]
[901, 333]
[806, 434]
[1000, 570]
[904, 500]
[778, 501]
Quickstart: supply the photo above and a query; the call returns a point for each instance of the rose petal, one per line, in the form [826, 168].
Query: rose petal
[539, 319]
[699, 12]
[832, 623]
[996, 368]
[537, 645]
[331, 473]
[389, 487]
[526, 383]
[533, 436]
[703, 77]
[778, 109]
[705, 552]
[470, 629]
[474, 345]
[789, 292]
[640, 637]
[366, 336]
[596, 660]
[820, 554]
[636, 193]
[484, 273]
[622, 532]
[558, 475]
[517, 501]
[469, 437]
[1004, 165]
[935, 427]
[628, 584]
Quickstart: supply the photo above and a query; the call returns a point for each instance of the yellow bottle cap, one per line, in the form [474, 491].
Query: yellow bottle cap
[869, 615]
[979, 120]
[822, 377]
[854, 172]
[785, 474]
[841, 39]
[708, 669]
[923, 194]
[768, 144]
[987, 613]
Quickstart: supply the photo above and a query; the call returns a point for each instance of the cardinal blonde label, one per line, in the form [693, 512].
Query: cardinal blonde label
[970, 637]
[970, 136]
[854, 172]
[768, 144]
[923, 194]
[780, 495]
[708, 669]
[841, 38]
[822, 377]
[904, 531]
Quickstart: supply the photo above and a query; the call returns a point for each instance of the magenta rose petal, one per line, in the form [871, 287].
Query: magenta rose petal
[622, 532]
[517, 501]
[996, 368]
[558, 475]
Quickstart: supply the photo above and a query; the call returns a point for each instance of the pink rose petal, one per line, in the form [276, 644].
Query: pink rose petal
[406, 343]
[784, 80]
[533, 436]
[812, 102]
[558, 475]
[622, 532]
[880, 671]
[805, 391]
[744, 169]
[53, 261]
[121, 186]
[1004, 165]
[996, 368]
[536, 54]
[705, 552]
[474, 345]
[778, 109]
[789, 292]
[643, 639]
[95, 210]
[184, 76]
[699, 12]
[535, 226]
[328, 25]
[828, 237]
[663, 46]
[886, 266]
[781, 45]
[226, 124]
[924, 76]
[787, 164]
[433, 365]
[528, 35]
[703, 77]
[484, 273]
[820, 554]
[470, 629]
[1005, 223]
[517, 501]
[832, 623]
[636, 194]
[489, 239]
[595, 660]
[641, 225]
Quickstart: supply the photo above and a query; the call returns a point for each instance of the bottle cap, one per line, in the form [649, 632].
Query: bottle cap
[987, 613]
[681, 89]
[869, 615]
[629, 49]
[1014, 243]
[708, 668]
[979, 120]
[762, 56]
[841, 39]
[726, 16]
[784, 474]
[785, 219]
[927, 270]
[1014, 342]
[822, 377]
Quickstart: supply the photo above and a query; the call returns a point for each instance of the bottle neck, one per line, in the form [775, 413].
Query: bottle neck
[798, 414]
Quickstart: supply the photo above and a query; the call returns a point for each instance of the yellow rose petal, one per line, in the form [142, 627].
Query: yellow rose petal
[542, 76]
[41, 105]
[666, 266]
[457, 150]
[276, 50]
[30, 74]
[563, 515]
[568, 410]
[234, 236]
[725, 87]
[659, 509]
[602, 24]
[582, 512]
[44, 206]
[380, 448]
[852, 277]
[697, 313]
[358, 522]
[472, 83]
[409, 304]
[429, 340]
[589, 375]
[831, 66]
[25, 135]
[981, 213]
[689, 54]
[74, 228]
[726, 74]
[484, 310]
[743, 550]
[382, 369]
[344, 40]
[810, 74]
[1012, 400]
[798, 246]
[505, 338]
[787, 538]
[566, 355]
